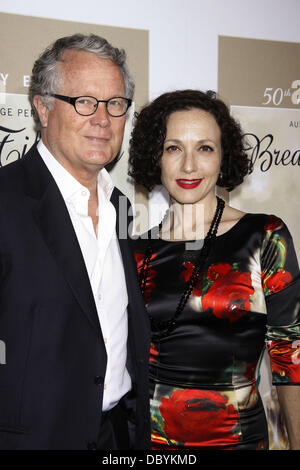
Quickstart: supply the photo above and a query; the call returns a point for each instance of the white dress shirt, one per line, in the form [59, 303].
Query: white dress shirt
[105, 269]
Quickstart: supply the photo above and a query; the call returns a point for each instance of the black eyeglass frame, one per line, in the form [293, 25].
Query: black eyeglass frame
[72, 101]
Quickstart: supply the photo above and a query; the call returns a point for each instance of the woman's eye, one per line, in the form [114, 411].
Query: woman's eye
[172, 148]
[206, 148]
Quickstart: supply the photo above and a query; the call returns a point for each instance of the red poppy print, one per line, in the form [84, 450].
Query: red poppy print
[276, 282]
[153, 353]
[186, 275]
[262, 445]
[272, 223]
[151, 274]
[250, 371]
[285, 360]
[229, 293]
[199, 416]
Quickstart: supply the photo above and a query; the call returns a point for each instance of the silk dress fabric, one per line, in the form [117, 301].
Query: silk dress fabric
[203, 375]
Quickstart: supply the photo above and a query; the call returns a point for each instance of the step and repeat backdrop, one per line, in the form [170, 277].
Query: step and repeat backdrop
[260, 81]
[22, 39]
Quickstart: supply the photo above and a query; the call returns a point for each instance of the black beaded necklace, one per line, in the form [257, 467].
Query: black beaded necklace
[160, 329]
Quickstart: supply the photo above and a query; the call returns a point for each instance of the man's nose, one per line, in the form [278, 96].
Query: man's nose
[101, 116]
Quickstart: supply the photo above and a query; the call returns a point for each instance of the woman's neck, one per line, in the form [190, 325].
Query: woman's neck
[188, 221]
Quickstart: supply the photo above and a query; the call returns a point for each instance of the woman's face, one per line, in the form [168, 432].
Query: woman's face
[191, 159]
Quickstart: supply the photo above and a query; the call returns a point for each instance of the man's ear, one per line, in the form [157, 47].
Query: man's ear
[41, 109]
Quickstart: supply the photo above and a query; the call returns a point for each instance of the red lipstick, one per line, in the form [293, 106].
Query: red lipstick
[189, 184]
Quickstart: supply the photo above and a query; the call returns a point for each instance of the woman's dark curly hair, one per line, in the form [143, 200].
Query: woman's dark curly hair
[149, 133]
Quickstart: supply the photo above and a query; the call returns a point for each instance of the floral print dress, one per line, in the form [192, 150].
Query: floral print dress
[203, 374]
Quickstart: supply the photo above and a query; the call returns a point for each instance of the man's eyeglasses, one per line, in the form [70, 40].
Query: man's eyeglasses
[88, 105]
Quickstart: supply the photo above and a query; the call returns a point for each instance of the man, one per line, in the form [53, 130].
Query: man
[71, 314]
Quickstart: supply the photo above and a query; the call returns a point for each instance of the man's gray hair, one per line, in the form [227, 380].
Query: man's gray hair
[45, 79]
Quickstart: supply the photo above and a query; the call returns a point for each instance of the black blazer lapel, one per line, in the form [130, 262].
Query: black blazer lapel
[53, 220]
[138, 320]
[123, 220]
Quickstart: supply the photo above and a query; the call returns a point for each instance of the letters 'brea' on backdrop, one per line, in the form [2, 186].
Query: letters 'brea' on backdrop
[267, 104]
[17, 132]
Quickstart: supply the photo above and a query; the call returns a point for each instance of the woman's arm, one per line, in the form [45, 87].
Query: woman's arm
[289, 400]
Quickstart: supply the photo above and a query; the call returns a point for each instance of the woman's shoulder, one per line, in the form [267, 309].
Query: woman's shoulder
[250, 222]
[268, 222]
[234, 217]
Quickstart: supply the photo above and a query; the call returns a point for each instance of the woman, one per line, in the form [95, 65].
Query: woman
[212, 308]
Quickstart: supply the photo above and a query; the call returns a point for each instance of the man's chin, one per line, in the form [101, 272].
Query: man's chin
[99, 158]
